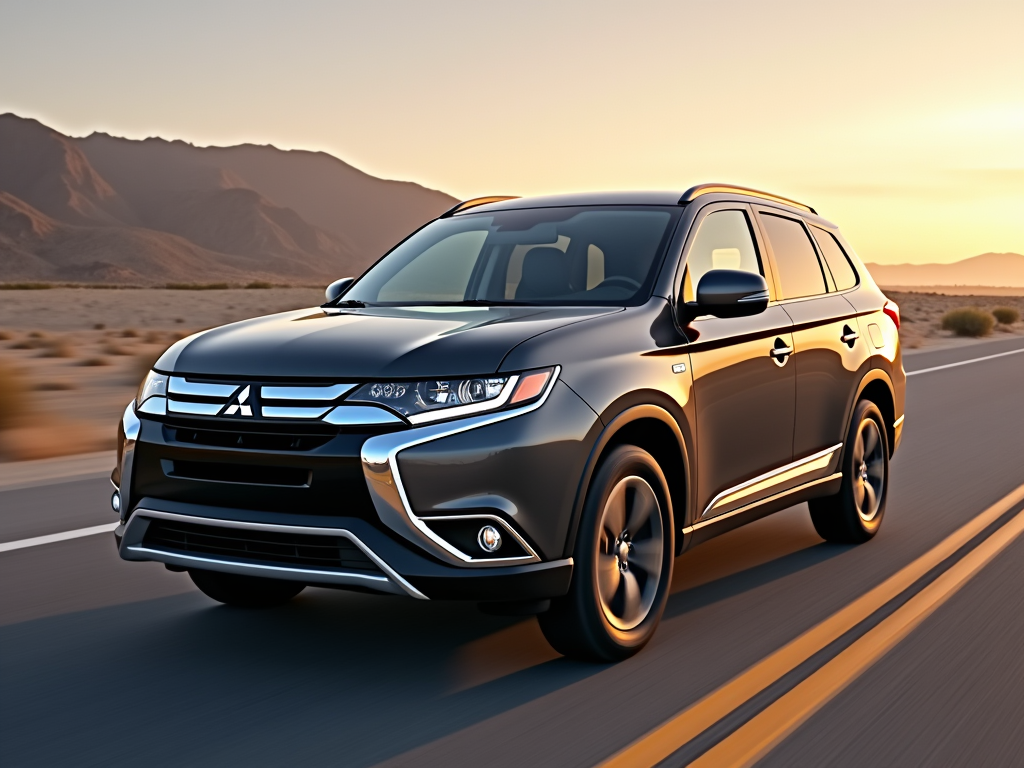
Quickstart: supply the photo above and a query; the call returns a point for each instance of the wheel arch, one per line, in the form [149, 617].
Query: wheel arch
[877, 387]
[655, 429]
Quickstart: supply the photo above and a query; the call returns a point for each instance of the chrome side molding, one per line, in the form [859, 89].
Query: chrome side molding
[814, 462]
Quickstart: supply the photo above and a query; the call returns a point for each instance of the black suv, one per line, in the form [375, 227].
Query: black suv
[534, 404]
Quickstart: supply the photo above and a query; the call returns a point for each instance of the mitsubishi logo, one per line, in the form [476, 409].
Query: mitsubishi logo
[240, 406]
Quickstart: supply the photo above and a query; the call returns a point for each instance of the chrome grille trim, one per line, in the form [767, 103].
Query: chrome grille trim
[292, 412]
[194, 409]
[321, 393]
[180, 386]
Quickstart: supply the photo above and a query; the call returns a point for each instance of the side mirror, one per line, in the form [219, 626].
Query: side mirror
[338, 287]
[731, 293]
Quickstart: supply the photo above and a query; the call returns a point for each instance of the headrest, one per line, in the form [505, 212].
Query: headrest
[545, 274]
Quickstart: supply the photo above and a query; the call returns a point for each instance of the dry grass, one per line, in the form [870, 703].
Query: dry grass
[1006, 315]
[14, 396]
[968, 321]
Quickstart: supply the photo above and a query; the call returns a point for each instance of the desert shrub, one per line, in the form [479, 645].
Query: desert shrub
[13, 395]
[95, 362]
[153, 337]
[259, 284]
[129, 333]
[25, 286]
[5, 336]
[112, 349]
[36, 335]
[57, 348]
[24, 344]
[968, 322]
[99, 327]
[54, 386]
[1006, 315]
[197, 286]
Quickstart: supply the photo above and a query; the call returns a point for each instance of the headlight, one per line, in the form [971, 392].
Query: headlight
[435, 399]
[154, 384]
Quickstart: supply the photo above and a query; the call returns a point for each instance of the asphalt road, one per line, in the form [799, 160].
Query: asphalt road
[107, 663]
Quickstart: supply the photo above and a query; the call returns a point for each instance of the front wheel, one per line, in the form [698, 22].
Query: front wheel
[245, 591]
[854, 515]
[623, 562]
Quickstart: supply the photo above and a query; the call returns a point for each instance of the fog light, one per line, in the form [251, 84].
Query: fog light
[115, 502]
[489, 539]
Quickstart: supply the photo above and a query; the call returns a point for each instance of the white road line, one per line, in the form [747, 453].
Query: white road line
[36, 541]
[965, 362]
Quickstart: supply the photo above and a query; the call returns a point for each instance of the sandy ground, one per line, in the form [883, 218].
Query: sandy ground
[71, 359]
[76, 356]
[921, 316]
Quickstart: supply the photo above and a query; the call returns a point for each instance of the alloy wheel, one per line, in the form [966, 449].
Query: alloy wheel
[868, 470]
[630, 552]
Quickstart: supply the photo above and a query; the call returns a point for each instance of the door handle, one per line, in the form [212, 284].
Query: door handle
[849, 336]
[780, 354]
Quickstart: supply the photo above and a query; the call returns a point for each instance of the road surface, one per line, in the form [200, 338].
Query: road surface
[104, 662]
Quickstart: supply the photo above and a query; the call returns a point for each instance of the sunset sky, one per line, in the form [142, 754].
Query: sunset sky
[903, 122]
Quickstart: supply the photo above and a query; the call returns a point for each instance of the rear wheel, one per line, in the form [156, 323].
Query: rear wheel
[854, 515]
[623, 562]
[245, 591]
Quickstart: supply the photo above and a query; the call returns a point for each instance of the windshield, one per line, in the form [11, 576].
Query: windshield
[602, 255]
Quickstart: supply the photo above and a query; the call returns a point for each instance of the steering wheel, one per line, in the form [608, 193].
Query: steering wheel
[622, 280]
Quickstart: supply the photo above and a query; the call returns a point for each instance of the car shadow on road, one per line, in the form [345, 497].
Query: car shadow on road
[180, 680]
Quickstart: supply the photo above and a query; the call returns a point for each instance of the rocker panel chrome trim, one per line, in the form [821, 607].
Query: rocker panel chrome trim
[818, 460]
[273, 571]
[759, 502]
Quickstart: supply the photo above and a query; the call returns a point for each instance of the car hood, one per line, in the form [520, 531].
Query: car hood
[368, 343]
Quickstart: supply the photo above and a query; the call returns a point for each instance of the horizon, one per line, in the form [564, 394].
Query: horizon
[913, 152]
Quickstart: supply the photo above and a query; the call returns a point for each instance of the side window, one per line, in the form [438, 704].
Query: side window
[799, 269]
[722, 242]
[441, 273]
[838, 264]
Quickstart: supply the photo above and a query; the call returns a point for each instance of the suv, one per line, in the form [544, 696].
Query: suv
[532, 403]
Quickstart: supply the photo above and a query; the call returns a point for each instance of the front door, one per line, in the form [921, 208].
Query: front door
[744, 385]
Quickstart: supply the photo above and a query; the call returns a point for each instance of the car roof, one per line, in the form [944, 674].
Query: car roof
[704, 193]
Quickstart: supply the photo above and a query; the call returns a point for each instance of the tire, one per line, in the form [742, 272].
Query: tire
[623, 562]
[245, 591]
[854, 514]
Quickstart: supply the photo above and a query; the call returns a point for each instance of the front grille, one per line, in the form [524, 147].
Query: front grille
[263, 546]
[249, 474]
[255, 441]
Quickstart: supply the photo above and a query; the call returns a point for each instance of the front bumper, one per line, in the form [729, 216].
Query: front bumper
[388, 567]
[378, 497]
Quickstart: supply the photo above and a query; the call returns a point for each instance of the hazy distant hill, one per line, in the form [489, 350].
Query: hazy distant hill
[994, 269]
[104, 209]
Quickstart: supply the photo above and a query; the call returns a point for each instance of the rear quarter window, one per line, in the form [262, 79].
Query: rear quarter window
[838, 262]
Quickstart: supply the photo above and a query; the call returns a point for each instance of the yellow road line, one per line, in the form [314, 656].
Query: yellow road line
[661, 742]
[758, 736]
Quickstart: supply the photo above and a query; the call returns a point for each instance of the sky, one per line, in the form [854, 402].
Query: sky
[903, 122]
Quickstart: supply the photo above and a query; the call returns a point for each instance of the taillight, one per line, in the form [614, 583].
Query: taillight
[892, 309]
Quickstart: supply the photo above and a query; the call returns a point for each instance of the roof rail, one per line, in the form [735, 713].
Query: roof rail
[706, 189]
[474, 203]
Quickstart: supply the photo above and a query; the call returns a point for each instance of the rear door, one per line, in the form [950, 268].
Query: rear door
[829, 352]
[743, 382]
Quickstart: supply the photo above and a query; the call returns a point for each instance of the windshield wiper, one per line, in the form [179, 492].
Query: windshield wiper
[490, 303]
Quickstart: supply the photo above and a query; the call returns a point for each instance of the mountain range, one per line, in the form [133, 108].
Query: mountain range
[1004, 270]
[103, 209]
